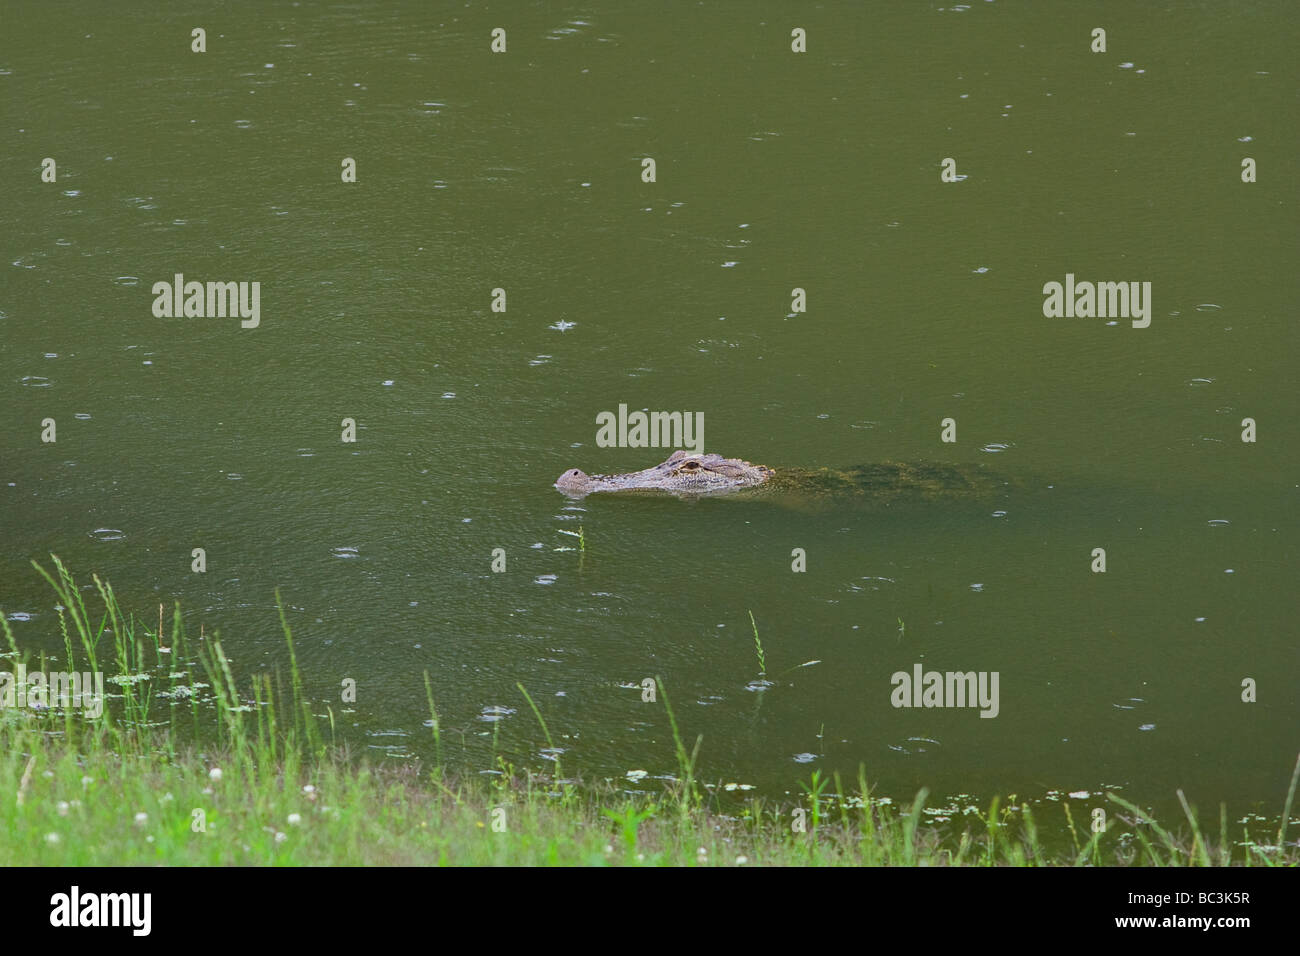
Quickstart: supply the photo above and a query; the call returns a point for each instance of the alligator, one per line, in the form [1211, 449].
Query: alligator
[688, 475]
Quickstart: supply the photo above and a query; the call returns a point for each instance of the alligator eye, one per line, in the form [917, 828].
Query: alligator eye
[691, 465]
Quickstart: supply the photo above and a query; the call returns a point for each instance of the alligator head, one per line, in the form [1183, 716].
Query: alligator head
[681, 473]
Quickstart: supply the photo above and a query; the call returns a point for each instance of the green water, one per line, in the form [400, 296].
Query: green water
[775, 170]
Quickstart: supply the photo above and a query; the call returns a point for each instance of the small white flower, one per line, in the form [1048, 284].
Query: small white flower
[141, 818]
[214, 774]
[701, 852]
[640, 856]
[62, 807]
[742, 860]
[308, 788]
[608, 848]
[294, 819]
[280, 838]
[52, 838]
[86, 781]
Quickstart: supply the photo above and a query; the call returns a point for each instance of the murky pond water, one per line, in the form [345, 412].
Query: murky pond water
[775, 171]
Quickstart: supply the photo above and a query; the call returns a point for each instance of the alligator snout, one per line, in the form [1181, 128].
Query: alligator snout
[575, 481]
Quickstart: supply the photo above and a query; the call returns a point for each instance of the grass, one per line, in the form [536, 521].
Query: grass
[758, 646]
[580, 535]
[197, 766]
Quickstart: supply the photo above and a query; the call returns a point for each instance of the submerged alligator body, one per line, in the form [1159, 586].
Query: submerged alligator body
[691, 475]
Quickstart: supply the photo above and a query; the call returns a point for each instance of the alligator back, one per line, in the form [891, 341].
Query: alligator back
[891, 481]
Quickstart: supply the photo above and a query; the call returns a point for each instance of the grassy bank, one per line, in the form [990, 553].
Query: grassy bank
[192, 766]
